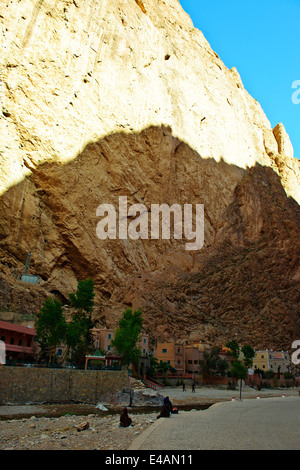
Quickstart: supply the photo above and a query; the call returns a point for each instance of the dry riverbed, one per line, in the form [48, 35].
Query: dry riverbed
[62, 433]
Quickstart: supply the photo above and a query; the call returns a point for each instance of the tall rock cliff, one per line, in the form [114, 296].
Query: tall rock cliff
[104, 99]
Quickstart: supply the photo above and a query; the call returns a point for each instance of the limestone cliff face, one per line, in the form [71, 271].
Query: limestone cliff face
[103, 99]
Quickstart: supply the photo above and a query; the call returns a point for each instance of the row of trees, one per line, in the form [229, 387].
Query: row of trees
[53, 330]
[213, 364]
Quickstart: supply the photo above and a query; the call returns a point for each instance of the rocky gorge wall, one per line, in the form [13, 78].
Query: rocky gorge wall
[104, 99]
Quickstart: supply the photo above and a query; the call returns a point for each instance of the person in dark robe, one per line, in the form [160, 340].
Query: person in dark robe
[125, 421]
[166, 409]
[167, 401]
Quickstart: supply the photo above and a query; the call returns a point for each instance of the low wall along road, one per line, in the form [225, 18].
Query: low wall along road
[26, 385]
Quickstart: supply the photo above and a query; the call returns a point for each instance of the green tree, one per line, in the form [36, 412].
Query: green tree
[240, 368]
[50, 328]
[165, 368]
[212, 363]
[83, 298]
[127, 334]
[234, 348]
[239, 371]
[79, 338]
[153, 365]
[249, 355]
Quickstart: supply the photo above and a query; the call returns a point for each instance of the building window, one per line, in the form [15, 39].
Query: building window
[59, 352]
[3, 338]
[108, 348]
[164, 351]
[144, 351]
[12, 340]
[178, 362]
[28, 343]
[20, 342]
[145, 341]
[169, 362]
[178, 351]
[109, 336]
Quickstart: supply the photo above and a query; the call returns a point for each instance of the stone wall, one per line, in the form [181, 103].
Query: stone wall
[34, 385]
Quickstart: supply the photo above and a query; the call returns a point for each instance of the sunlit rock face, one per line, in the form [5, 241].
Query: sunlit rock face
[103, 99]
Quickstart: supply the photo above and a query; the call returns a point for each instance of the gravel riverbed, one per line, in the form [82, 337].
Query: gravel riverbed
[61, 433]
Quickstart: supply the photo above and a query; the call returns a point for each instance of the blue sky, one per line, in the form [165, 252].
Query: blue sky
[262, 40]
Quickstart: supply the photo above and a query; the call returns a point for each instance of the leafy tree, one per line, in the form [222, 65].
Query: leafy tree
[127, 334]
[83, 298]
[239, 371]
[213, 364]
[50, 328]
[240, 368]
[234, 348]
[249, 355]
[165, 368]
[53, 330]
[79, 338]
[153, 365]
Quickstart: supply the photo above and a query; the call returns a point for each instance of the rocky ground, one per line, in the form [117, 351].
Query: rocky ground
[62, 433]
[57, 427]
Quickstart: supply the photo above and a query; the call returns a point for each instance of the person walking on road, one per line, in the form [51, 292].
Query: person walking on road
[193, 387]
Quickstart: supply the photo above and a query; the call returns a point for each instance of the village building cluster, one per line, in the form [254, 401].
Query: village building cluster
[20, 344]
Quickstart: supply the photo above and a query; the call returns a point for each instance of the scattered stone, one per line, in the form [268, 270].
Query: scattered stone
[101, 407]
[83, 426]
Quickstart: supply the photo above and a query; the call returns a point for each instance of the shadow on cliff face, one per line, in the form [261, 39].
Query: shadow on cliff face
[244, 278]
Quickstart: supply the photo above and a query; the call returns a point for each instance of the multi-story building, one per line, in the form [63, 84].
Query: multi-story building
[269, 360]
[19, 341]
[143, 344]
[193, 354]
[104, 336]
[185, 357]
[173, 353]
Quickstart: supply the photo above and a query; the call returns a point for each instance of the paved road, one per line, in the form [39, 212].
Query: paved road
[265, 424]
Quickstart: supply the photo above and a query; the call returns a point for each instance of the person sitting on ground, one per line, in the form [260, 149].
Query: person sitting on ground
[165, 411]
[125, 421]
[167, 401]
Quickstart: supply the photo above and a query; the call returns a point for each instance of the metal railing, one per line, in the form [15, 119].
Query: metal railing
[152, 383]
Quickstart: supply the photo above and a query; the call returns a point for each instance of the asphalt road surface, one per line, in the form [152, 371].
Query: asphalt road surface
[257, 424]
